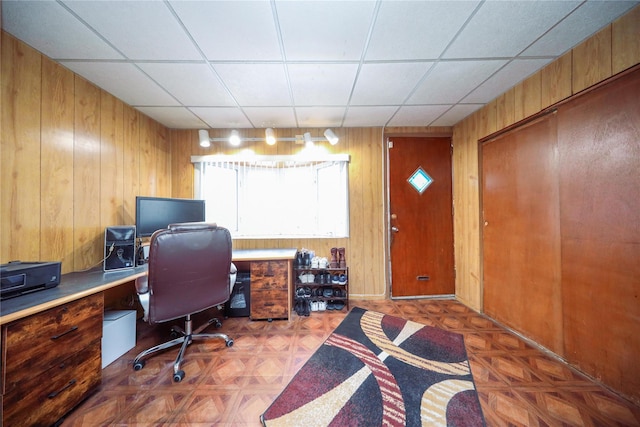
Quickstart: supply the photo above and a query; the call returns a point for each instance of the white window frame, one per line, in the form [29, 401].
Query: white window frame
[293, 209]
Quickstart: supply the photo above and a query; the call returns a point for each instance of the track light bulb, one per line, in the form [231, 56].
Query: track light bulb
[270, 136]
[203, 136]
[331, 137]
[234, 139]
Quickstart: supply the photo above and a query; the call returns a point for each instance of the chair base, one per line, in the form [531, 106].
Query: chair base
[187, 336]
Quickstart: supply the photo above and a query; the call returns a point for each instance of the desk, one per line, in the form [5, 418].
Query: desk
[51, 338]
[78, 285]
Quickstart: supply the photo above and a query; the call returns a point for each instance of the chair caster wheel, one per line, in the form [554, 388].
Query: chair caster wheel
[178, 376]
[218, 324]
[174, 334]
[230, 343]
[138, 365]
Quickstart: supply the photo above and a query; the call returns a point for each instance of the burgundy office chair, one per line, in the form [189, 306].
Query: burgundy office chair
[190, 270]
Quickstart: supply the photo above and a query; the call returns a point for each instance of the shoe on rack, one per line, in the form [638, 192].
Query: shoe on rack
[335, 279]
[322, 305]
[342, 261]
[334, 258]
[342, 279]
[338, 305]
[327, 292]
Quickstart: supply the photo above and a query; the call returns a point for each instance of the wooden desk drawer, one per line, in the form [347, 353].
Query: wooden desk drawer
[269, 284]
[39, 342]
[276, 270]
[264, 308]
[43, 400]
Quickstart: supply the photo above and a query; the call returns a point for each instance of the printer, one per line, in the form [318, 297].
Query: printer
[18, 278]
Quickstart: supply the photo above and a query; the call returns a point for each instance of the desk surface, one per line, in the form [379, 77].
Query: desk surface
[78, 285]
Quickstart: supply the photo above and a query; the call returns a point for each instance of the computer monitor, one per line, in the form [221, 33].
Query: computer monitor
[155, 213]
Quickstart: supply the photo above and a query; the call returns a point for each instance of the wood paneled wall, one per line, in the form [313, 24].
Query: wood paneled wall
[612, 50]
[73, 159]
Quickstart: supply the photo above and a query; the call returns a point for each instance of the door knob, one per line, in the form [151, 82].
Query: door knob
[395, 229]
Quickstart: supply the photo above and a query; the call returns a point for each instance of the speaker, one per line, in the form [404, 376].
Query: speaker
[119, 247]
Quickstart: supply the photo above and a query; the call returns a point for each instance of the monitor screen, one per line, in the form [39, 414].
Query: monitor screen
[155, 213]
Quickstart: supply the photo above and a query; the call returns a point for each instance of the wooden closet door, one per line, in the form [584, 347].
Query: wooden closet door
[599, 151]
[521, 232]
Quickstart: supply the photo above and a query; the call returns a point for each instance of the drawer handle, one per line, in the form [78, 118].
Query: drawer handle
[55, 393]
[73, 328]
[269, 304]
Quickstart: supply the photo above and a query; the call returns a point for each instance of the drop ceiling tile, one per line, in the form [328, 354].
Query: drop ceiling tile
[256, 85]
[455, 114]
[190, 83]
[513, 25]
[321, 84]
[231, 30]
[123, 80]
[450, 81]
[387, 83]
[369, 116]
[314, 117]
[587, 19]
[264, 117]
[173, 117]
[416, 30]
[138, 29]
[51, 29]
[512, 74]
[324, 30]
[222, 117]
[421, 115]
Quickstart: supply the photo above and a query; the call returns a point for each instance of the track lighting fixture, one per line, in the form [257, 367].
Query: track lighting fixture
[203, 135]
[308, 142]
[269, 137]
[331, 137]
[234, 139]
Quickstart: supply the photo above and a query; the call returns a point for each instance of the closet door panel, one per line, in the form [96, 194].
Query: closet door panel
[599, 147]
[521, 233]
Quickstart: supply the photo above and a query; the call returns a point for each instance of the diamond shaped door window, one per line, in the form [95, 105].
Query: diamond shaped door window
[420, 180]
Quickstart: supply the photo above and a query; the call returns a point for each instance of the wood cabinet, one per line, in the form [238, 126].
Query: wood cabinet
[270, 289]
[51, 361]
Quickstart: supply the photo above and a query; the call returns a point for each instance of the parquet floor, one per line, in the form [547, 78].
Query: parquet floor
[518, 384]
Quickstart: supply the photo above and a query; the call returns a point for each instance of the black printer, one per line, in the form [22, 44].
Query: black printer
[18, 278]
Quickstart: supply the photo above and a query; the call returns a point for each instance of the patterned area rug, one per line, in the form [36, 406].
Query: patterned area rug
[381, 370]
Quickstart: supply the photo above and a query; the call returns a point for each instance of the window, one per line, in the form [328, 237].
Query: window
[275, 196]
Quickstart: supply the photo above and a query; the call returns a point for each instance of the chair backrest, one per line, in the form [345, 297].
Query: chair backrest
[188, 270]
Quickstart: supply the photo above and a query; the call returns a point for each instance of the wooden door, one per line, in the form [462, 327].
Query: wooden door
[521, 231]
[421, 243]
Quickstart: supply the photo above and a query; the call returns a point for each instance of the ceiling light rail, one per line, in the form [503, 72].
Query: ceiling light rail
[270, 138]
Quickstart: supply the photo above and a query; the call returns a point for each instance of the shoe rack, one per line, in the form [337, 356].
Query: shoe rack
[320, 284]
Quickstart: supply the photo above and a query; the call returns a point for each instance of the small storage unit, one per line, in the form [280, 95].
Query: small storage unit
[270, 290]
[51, 362]
[239, 305]
[118, 334]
